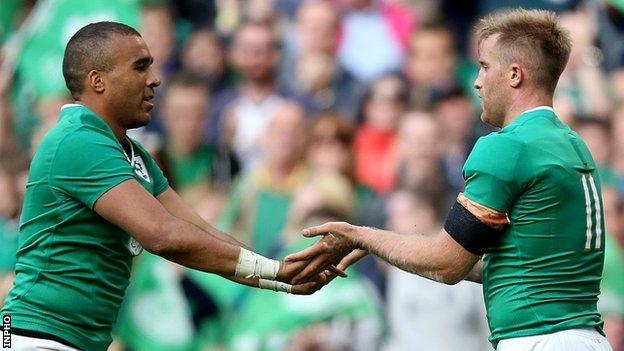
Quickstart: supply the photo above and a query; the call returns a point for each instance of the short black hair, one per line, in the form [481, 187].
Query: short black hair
[88, 49]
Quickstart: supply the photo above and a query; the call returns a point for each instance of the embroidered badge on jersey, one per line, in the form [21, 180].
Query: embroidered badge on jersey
[134, 247]
[139, 168]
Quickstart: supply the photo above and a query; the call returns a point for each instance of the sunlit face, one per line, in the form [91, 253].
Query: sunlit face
[130, 84]
[491, 84]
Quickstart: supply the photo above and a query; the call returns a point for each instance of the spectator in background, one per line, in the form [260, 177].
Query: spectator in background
[194, 166]
[344, 316]
[417, 307]
[457, 117]
[8, 230]
[310, 57]
[596, 135]
[13, 174]
[583, 87]
[617, 142]
[419, 148]
[611, 302]
[46, 110]
[243, 112]
[203, 55]
[617, 86]
[330, 151]
[368, 27]
[374, 142]
[261, 197]
[432, 64]
[263, 11]
[158, 30]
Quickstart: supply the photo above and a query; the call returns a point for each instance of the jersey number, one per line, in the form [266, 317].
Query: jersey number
[591, 196]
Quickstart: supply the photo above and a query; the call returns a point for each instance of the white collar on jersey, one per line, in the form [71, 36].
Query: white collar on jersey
[130, 157]
[543, 107]
[69, 105]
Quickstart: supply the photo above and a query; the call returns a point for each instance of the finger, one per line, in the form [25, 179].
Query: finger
[306, 288]
[337, 271]
[307, 253]
[322, 229]
[314, 267]
[351, 258]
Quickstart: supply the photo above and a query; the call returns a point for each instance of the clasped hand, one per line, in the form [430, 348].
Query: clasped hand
[326, 259]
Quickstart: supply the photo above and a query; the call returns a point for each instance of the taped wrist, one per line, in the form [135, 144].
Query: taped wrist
[469, 232]
[274, 285]
[252, 265]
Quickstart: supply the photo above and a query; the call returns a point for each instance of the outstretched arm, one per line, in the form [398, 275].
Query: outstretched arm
[438, 258]
[174, 204]
[448, 257]
[159, 231]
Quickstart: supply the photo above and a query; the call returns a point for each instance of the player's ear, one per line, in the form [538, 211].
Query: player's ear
[515, 75]
[95, 81]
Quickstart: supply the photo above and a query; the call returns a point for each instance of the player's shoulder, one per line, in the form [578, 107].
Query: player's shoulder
[499, 144]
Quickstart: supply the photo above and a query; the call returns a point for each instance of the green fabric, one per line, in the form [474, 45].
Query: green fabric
[41, 58]
[270, 214]
[8, 245]
[267, 320]
[363, 196]
[9, 11]
[612, 287]
[541, 277]
[155, 299]
[618, 4]
[257, 214]
[193, 169]
[73, 266]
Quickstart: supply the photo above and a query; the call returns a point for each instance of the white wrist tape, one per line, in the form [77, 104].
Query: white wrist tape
[274, 285]
[252, 265]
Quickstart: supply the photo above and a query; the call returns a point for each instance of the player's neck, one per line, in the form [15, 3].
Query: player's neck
[100, 111]
[525, 102]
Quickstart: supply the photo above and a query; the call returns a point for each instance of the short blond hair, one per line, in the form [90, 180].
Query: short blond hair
[531, 37]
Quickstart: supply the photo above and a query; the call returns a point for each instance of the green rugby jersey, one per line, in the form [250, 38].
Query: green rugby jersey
[544, 275]
[73, 266]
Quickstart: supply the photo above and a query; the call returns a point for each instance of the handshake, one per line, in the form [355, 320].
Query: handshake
[306, 271]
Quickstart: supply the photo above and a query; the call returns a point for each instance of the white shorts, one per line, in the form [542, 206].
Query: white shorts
[25, 343]
[566, 340]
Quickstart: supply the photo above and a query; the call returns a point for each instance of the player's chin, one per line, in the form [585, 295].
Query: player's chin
[141, 119]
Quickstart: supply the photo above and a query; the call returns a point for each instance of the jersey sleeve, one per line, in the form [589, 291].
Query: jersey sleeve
[491, 172]
[87, 165]
[160, 181]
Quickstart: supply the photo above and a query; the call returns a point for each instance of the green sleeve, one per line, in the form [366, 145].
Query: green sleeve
[87, 165]
[491, 172]
[160, 181]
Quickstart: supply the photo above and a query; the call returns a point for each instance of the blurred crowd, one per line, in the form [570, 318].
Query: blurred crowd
[275, 115]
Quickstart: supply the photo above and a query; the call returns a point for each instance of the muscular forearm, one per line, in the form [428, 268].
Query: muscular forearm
[221, 235]
[426, 256]
[190, 246]
[174, 205]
